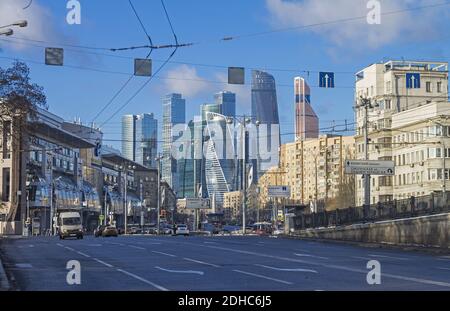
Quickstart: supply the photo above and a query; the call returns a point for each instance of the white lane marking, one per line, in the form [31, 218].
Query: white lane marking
[309, 255]
[337, 267]
[446, 258]
[94, 245]
[136, 247]
[83, 254]
[24, 266]
[263, 277]
[181, 271]
[388, 257]
[202, 262]
[143, 280]
[165, 254]
[210, 242]
[103, 263]
[287, 269]
[69, 248]
[26, 246]
[442, 268]
[363, 258]
[114, 243]
[59, 244]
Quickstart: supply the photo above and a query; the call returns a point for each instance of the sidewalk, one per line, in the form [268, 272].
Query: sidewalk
[4, 283]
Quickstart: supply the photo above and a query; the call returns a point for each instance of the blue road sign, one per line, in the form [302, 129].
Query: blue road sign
[413, 80]
[326, 79]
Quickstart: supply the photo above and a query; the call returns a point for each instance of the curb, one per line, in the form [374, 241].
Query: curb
[404, 247]
[4, 282]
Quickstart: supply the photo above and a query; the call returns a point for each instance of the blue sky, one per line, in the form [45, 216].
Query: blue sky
[342, 47]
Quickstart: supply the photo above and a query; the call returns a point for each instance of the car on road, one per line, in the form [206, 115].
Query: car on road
[110, 231]
[69, 225]
[99, 230]
[182, 230]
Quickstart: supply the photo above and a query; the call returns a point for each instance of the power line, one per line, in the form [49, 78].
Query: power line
[247, 84]
[157, 71]
[132, 75]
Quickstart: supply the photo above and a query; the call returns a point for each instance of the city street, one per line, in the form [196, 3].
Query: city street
[216, 263]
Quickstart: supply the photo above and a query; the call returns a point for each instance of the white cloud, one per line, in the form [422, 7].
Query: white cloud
[185, 80]
[407, 25]
[40, 25]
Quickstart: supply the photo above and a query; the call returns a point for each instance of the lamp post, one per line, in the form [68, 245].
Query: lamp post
[243, 124]
[124, 171]
[158, 160]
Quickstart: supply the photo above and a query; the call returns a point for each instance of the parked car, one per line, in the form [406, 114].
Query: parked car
[99, 230]
[110, 231]
[182, 230]
[167, 230]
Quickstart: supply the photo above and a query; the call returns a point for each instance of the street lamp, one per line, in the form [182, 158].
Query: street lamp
[124, 170]
[20, 23]
[158, 160]
[6, 32]
[243, 122]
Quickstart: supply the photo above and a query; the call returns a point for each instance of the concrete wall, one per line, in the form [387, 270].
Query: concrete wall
[10, 228]
[428, 231]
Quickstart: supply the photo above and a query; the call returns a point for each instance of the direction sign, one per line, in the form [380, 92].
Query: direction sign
[363, 167]
[413, 80]
[279, 191]
[326, 80]
[196, 203]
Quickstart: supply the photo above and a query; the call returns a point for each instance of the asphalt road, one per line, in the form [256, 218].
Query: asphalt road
[216, 264]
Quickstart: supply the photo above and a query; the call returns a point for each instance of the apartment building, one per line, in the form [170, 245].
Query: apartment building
[403, 96]
[232, 205]
[314, 170]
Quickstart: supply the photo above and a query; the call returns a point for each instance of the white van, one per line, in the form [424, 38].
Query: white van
[70, 226]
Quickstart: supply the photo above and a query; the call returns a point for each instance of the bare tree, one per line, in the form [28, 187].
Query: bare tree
[19, 100]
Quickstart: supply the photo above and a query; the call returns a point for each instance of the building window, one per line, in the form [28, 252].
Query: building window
[388, 87]
[439, 87]
[428, 86]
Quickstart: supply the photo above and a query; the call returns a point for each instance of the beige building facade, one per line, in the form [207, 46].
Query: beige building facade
[314, 170]
[395, 111]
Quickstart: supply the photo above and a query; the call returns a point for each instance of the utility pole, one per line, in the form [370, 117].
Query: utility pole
[244, 174]
[365, 102]
[126, 199]
[158, 208]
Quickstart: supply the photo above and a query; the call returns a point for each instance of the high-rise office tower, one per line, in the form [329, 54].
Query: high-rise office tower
[265, 111]
[174, 113]
[140, 138]
[306, 120]
[227, 102]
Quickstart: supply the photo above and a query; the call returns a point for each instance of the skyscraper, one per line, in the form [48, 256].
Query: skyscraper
[140, 138]
[264, 98]
[306, 120]
[227, 102]
[265, 111]
[174, 112]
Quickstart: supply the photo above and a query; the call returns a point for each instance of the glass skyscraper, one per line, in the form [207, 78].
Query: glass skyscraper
[306, 120]
[265, 110]
[227, 103]
[174, 112]
[140, 138]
